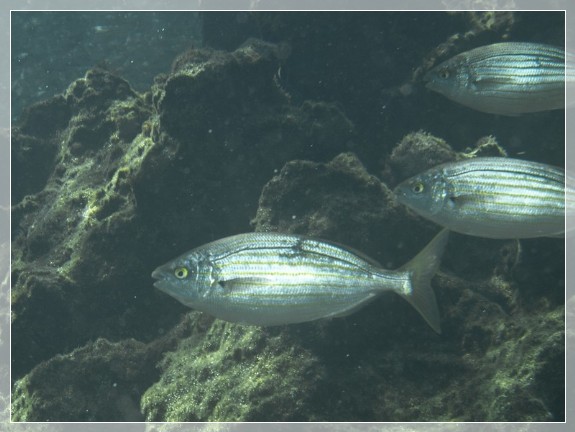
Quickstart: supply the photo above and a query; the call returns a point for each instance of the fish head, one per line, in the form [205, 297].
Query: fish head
[447, 78]
[425, 193]
[181, 278]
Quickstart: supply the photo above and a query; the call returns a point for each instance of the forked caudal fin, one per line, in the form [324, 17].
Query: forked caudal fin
[421, 269]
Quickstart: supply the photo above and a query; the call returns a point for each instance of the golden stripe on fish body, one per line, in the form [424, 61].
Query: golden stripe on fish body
[492, 197]
[272, 279]
[507, 78]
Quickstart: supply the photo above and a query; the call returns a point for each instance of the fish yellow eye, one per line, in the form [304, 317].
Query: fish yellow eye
[443, 73]
[417, 187]
[181, 272]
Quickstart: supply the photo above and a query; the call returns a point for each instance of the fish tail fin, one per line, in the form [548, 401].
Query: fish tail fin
[421, 269]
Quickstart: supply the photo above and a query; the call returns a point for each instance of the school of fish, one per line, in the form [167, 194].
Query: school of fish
[273, 279]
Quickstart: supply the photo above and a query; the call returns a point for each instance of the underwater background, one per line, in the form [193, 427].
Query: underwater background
[139, 136]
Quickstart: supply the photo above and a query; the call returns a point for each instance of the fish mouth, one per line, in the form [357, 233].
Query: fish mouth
[158, 274]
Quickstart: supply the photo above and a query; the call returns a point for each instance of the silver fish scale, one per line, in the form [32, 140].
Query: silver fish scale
[290, 243]
[512, 76]
[506, 78]
[292, 261]
[275, 278]
[509, 187]
[493, 197]
[272, 279]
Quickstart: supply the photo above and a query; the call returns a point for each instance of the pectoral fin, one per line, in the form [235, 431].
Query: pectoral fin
[244, 283]
[458, 201]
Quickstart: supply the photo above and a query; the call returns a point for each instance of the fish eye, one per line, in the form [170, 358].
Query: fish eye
[181, 272]
[417, 187]
[443, 73]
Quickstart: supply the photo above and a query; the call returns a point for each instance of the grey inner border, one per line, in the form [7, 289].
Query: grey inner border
[8, 5]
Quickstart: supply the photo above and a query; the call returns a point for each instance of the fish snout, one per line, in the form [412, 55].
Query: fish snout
[161, 277]
[158, 274]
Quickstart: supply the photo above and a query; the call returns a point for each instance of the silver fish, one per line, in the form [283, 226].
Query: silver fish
[272, 279]
[507, 78]
[492, 197]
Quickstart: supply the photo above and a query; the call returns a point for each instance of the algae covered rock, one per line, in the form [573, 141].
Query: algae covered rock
[418, 151]
[101, 381]
[119, 188]
[96, 166]
[109, 373]
[327, 199]
[224, 126]
[56, 218]
[234, 373]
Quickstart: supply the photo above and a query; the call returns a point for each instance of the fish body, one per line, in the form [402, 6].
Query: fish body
[272, 279]
[507, 78]
[492, 197]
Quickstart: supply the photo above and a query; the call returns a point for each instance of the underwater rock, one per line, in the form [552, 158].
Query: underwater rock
[120, 189]
[88, 159]
[513, 358]
[101, 381]
[419, 151]
[416, 152]
[33, 158]
[234, 373]
[224, 126]
[98, 382]
[329, 200]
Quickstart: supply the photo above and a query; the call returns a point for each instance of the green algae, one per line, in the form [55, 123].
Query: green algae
[234, 373]
[102, 368]
[89, 183]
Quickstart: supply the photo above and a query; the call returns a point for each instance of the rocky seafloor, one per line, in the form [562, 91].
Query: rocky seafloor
[108, 183]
